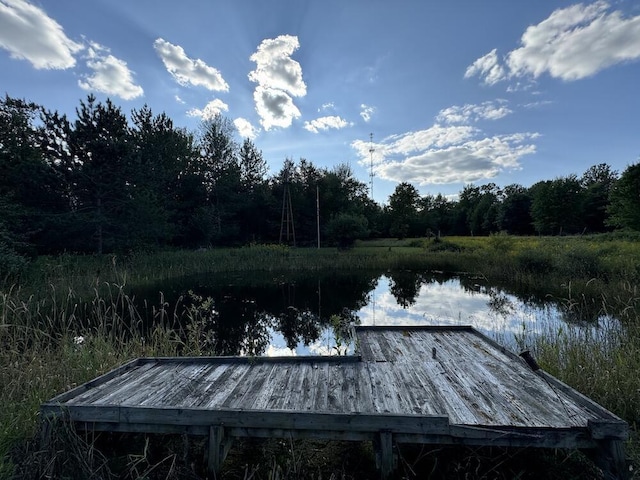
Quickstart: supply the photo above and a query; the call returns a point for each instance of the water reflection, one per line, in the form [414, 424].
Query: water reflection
[266, 314]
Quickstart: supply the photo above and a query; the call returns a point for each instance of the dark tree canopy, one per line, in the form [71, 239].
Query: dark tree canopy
[624, 211]
[105, 182]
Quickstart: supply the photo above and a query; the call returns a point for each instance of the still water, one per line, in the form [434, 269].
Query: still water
[272, 314]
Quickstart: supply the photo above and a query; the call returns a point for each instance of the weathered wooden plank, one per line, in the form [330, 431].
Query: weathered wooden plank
[281, 390]
[388, 390]
[185, 382]
[370, 348]
[309, 387]
[321, 394]
[225, 384]
[280, 419]
[115, 373]
[244, 394]
[456, 409]
[265, 393]
[605, 429]
[117, 382]
[480, 393]
[157, 381]
[334, 389]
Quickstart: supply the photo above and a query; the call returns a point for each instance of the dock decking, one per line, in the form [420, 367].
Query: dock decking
[442, 385]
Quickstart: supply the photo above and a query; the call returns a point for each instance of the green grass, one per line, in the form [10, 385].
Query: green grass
[57, 299]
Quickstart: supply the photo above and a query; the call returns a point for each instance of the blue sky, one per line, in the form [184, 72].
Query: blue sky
[454, 92]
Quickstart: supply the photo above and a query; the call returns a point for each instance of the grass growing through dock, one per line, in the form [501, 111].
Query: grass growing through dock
[69, 318]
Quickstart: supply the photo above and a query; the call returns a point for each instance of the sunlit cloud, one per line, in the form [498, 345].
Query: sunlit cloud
[211, 110]
[572, 43]
[279, 79]
[28, 33]
[326, 123]
[188, 71]
[275, 107]
[445, 154]
[110, 74]
[488, 68]
[245, 128]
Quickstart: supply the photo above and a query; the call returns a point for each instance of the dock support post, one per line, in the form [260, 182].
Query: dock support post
[218, 448]
[384, 446]
[610, 457]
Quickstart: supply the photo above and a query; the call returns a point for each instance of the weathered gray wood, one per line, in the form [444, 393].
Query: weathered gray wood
[116, 373]
[219, 445]
[384, 454]
[610, 457]
[472, 392]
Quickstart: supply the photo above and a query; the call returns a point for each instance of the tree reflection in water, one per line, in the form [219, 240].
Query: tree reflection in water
[251, 314]
[239, 317]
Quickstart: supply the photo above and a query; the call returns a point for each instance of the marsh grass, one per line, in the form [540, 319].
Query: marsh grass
[70, 318]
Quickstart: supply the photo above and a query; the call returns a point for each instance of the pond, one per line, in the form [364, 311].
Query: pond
[275, 314]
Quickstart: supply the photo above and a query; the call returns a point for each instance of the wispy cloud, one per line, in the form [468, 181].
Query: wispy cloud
[327, 106]
[491, 110]
[188, 71]
[326, 123]
[488, 68]
[211, 110]
[572, 43]
[110, 74]
[279, 79]
[366, 112]
[28, 33]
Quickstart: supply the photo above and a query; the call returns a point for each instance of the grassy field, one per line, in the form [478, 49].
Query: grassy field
[70, 311]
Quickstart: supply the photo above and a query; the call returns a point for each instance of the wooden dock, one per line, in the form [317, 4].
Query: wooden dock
[435, 385]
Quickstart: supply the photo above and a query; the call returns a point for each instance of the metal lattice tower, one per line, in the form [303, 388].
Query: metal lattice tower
[371, 174]
[286, 223]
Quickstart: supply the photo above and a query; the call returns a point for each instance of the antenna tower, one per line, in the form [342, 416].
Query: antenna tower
[286, 223]
[371, 174]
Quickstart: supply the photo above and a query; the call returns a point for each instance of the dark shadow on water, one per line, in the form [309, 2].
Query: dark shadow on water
[239, 313]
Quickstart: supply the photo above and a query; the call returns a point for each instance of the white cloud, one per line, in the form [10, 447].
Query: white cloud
[28, 33]
[366, 112]
[325, 123]
[279, 79]
[110, 74]
[273, 351]
[441, 155]
[572, 43]
[188, 71]
[245, 128]
[179, 100]
[275, 107]
[324, 349]
[472, 113]
[327, 106]
[211, 110]
[488, 68]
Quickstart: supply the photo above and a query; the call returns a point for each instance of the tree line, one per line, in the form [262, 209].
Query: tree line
[105, 182]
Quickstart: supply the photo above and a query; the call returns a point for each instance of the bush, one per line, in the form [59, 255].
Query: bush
[11, 263]
[535, 261]
[500, 242]
[438, 245]
[345, 228]
[579, 261]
